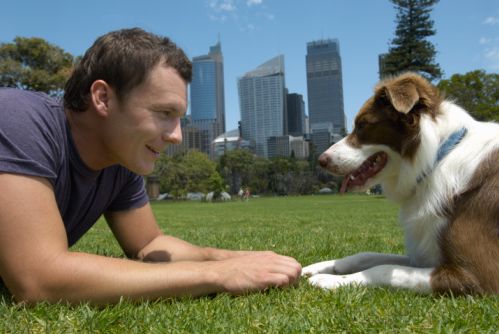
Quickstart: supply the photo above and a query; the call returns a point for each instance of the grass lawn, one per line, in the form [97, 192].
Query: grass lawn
[311, 229]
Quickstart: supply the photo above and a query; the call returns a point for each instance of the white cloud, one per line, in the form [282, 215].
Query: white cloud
[488, 41]
[227, 7]
[484, 40]
[269, 16]
[246, 15]
[492, 56]
[250, 3]
[219, 18]
[222, 5]
[491, 20]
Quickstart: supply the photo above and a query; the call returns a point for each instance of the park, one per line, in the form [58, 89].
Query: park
[267, 191]
[310, 228]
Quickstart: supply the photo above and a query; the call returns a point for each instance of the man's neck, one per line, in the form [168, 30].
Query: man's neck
[86, 139]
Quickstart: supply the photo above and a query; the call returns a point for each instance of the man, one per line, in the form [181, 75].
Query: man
[61, 168]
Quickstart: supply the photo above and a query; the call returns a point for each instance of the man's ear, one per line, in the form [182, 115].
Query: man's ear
[100, 93]
[403, 95]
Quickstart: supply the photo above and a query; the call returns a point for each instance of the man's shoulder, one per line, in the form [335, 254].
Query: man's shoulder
[32, 133]
[7, 94]
[23, 107]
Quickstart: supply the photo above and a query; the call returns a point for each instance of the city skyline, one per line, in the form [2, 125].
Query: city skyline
[467, 35]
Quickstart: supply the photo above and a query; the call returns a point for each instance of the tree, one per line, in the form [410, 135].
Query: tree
[304, 180]
[34, 64]
[199, 171]
[476, 91]
[168, 170]
[258, 180]
[280, 175]
[187, 172]
[235, 167]
[410, 51]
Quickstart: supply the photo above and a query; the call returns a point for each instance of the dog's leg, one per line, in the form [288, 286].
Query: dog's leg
[354, 263]
[416, 279]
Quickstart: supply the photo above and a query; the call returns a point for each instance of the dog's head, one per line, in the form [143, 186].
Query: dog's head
[386, 132]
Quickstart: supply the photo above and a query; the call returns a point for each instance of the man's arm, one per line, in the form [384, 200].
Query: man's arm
[36, 265]
[141, 238]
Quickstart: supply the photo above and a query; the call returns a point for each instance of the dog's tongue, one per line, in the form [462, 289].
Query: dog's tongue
[344, 184]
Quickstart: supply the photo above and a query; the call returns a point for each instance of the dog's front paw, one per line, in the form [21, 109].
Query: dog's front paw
[326, 267]
[330, 282]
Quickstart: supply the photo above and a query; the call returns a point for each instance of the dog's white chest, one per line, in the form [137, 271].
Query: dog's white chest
[421, 237]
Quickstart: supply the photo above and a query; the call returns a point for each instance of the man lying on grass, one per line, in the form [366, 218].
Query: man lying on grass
[61, 168]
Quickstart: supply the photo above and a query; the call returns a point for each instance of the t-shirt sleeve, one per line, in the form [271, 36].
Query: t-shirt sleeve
[29, 141]
[132, 194]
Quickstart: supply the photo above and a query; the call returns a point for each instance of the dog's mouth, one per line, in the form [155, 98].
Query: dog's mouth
[369, 168]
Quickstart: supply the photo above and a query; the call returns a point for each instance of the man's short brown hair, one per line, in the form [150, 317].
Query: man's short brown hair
[123, 59]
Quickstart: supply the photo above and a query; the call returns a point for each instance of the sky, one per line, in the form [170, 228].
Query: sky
[254, 31]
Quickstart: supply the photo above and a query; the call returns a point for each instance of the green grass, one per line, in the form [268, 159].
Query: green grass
[310, 228]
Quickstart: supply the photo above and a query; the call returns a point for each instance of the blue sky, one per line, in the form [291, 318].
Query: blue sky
[253, 31]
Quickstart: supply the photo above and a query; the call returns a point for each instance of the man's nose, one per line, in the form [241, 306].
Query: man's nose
[173, 135]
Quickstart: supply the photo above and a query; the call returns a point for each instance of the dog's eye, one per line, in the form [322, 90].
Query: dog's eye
[360, 125]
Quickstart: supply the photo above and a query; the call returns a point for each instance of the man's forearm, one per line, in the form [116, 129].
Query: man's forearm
[81, 277]
[170, 249]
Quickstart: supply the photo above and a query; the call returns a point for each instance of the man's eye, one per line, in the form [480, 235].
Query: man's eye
[167, 113]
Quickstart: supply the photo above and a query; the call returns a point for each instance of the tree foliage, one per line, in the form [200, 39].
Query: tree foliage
[476, 91]
[235, 167]
[187, 172]
[410, 50]
[34, 64]
[194, 172]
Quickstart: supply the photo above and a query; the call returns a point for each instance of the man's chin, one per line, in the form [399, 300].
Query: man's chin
[141, 170]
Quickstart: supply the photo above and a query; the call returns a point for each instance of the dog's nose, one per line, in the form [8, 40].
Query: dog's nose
[324, 160]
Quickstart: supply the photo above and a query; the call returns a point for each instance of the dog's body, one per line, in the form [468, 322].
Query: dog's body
[442, 167]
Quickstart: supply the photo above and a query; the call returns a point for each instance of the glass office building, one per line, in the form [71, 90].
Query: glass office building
[296, 114]
[207, 96]
[325, 85]
[262, 102]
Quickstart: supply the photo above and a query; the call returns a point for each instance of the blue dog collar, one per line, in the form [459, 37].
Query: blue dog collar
[445, 148]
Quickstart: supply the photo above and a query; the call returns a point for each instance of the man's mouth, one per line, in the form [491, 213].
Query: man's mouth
[155, 152]
[369, 168]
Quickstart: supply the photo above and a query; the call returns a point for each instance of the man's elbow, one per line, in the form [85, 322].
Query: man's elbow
[31, 291]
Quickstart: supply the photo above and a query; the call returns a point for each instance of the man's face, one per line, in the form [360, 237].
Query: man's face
[147, 120]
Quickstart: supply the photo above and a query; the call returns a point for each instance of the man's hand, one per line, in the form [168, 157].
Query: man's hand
[255, 271]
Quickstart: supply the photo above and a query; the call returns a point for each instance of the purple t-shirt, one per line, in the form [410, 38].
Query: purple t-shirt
[35, 140]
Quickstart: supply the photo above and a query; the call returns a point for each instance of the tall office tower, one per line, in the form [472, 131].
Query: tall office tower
[296, 114]
[325, 87]
[207, 96]
[262, 102]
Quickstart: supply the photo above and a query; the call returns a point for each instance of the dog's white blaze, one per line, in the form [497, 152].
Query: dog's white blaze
[345, 158]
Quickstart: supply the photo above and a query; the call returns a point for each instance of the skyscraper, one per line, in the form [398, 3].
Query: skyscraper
[207, 96]
[296, 114]
[325, 87]
[262, 102]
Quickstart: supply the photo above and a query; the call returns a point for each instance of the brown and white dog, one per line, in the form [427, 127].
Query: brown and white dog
[442, 167]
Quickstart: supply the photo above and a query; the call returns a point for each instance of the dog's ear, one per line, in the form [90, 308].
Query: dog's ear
[408, 91]
[402, 94]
